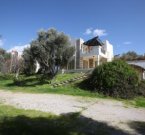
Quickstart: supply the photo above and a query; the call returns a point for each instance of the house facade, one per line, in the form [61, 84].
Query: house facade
[91, 53]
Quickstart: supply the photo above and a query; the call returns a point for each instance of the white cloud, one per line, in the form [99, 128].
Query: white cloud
[99, 32]
[95, 32]
[1, 42]
[127, 43]
[88, 31]
[19, 48]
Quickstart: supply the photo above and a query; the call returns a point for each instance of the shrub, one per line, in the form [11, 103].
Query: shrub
[6, 76]
[141, 89]
[115, 79]
[18, 81]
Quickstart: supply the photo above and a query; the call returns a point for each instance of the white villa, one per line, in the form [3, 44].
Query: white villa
[91, 53]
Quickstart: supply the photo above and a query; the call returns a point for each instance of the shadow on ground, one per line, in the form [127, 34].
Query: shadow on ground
[29, 82]
[138, 126]
[68, 124]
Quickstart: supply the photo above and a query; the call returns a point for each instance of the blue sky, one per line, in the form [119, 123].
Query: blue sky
[122, 22]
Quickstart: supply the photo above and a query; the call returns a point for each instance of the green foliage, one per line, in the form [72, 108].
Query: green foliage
[4, 61]
[141, 88]
[115, 79]
[6, 76]
[2, 51]
[51, 50]
[131, 55]
[29, 62]
[19, 80]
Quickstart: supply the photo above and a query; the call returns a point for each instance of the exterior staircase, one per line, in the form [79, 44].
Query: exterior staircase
[72, 80]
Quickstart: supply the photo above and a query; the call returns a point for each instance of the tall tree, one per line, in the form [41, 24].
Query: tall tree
[28, 62]
[52, 50]
[129, 55]
[4, 60]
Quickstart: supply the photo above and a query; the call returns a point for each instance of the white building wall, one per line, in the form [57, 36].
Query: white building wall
[109, 50]
[96, 50]
[105, 51]
[78, 50]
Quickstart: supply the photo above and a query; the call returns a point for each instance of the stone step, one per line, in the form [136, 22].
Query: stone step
[69, 81]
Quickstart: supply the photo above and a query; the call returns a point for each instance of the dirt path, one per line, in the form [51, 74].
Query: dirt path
[114, 113]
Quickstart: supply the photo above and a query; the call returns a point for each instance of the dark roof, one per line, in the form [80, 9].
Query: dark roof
[94, 42]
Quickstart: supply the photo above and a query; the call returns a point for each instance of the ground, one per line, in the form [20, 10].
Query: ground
[115, 114]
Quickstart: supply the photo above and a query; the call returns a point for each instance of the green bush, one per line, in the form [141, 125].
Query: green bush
[115, 79]
[141, 89]
[18, 81]
[6, 76]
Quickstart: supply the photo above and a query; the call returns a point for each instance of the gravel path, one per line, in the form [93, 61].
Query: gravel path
[114, 113]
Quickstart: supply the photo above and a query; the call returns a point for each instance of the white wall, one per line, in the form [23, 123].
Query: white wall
[109, 50]
[96, 50]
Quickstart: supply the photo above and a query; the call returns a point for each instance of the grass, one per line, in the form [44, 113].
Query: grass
[63, 77]
[32, 85]
[28, 122]
[137, 102]
[9, 111]
[140, 102]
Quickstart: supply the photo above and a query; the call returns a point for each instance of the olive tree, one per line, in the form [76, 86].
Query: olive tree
[52, 50]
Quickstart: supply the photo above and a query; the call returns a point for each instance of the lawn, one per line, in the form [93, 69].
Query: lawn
[33, 85]
[137, 102]
[28, 122]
